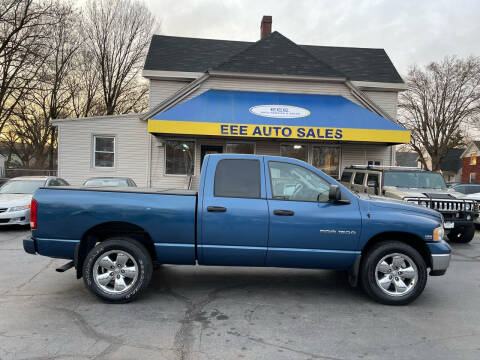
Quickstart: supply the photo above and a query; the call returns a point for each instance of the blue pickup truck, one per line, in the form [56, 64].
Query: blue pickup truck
[250, 210]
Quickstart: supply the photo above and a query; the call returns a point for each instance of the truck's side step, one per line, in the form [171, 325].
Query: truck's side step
[65, 267]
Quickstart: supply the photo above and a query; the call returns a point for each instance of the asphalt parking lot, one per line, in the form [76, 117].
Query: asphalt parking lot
[233, 313]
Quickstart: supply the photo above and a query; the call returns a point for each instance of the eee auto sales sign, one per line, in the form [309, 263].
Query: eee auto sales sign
[279, 111]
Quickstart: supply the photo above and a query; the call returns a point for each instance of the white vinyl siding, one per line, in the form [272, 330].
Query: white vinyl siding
[161, 90]
[386, 100]
[75, 144]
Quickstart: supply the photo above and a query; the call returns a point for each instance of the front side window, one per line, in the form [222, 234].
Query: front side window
[238, 178]
[239, 148]
[327, 159]
[295, 151]
[104, 151]
[296, 183]
[179, 157]
[358, 179]
[372, 180]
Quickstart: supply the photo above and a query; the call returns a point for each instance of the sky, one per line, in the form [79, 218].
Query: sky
[412, 32]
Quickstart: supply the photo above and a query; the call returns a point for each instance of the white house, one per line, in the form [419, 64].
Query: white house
[329, 106]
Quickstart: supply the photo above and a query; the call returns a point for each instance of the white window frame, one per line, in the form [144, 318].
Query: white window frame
[114, 137]
[164, 141]
[470, 177]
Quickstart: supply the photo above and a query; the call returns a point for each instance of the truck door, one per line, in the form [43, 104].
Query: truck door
[305, 229]
[233, 215]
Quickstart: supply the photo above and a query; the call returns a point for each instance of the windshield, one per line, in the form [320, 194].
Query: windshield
[414, 179]
[106, 182]
[21, 186]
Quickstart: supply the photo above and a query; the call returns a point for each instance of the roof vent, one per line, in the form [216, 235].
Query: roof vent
[265, 26]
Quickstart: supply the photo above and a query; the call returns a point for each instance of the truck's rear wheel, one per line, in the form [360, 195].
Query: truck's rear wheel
[462, 234]
[118, 270]
[393, 273]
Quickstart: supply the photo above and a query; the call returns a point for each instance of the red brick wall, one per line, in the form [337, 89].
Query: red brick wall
[467, 169]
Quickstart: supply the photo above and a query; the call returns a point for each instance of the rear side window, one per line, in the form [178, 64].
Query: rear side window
[238, 178]
[346, 176]
[358, 180]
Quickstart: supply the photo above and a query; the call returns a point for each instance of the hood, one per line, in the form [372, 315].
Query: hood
[10, 200]
[400, 205]
[400, 193]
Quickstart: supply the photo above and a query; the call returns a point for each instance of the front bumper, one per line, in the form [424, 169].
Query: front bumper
[21, 217]
[440, 257]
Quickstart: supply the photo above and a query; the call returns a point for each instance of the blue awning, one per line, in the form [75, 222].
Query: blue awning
[277, 115]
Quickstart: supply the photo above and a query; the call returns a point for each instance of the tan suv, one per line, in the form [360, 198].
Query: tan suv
[419, 187]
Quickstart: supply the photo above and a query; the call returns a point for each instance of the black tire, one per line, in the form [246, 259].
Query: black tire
[462, 234]
[143, 265]
[368, 272]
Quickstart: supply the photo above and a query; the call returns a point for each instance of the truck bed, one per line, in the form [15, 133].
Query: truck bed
[141, 190]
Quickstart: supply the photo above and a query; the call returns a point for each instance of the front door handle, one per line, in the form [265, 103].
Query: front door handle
[283, 212]
[216, 209]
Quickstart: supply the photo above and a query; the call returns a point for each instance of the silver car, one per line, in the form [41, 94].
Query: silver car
[16, 195]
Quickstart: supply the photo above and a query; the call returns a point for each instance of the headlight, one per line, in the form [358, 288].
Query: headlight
[438, 233]
[19, 208]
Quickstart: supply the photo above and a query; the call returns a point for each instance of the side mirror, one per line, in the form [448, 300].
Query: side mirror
[334, 194]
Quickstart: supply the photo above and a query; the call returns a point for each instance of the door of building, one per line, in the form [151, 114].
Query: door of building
[209, 149]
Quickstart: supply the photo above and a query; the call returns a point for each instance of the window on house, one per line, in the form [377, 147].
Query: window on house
[239, 178]
[104, 151]
[239, 148]
[472, 177]
[179, 157]
[473, 159]
[327, 159]
[295, 151]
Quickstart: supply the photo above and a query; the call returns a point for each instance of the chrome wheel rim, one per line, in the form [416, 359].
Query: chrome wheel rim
[396, 274]
[115, 272]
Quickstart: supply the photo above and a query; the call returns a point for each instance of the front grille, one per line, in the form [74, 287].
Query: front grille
[444, 205]
[4, 221]
[3, 210]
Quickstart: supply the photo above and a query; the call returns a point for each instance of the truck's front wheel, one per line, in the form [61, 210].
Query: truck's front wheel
[393, 273]
[462, 234]
[117, 270]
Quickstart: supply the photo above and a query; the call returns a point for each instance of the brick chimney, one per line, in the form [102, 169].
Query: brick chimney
[265, 26]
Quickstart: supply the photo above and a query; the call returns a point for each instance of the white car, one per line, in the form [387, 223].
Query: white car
[16, 195]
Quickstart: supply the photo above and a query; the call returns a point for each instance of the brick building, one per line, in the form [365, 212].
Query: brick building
[471, 163]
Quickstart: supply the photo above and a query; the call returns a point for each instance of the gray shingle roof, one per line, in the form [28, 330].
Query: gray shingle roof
[275, 54]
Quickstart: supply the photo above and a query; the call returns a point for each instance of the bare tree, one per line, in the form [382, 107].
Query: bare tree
[440, 100]
[117, 33]
[24, 25]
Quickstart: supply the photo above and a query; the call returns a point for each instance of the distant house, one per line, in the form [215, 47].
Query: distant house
[405, 158]
[470, 164]
[451, 165]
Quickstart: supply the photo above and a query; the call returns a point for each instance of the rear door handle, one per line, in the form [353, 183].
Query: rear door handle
[283, 212]
[216, 209]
